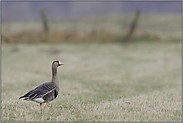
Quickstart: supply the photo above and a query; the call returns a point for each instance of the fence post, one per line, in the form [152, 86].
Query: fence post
[44, 21]
[132, 27]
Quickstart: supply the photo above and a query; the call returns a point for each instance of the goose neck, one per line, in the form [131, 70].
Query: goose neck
[54, 75]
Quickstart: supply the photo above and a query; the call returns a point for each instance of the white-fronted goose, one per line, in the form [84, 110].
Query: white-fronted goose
[47, 91]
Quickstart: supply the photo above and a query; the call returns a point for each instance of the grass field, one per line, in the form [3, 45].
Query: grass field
[99, 82]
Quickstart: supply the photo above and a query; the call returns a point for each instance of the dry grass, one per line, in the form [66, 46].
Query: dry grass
[109, 28]
[109, 82]
[33, 36]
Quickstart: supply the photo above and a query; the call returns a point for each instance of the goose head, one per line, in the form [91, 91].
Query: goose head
[57, 63]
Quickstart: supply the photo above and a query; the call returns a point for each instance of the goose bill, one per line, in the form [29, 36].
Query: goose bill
[60, 63]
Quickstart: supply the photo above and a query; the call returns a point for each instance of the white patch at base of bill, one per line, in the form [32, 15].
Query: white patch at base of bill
[59, 62]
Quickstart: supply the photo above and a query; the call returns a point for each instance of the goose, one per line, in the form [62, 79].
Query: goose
[47, 91]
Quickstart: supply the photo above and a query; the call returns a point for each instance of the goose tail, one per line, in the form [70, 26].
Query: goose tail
[25, 98]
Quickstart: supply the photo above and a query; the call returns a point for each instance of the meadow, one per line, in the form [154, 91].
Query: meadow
[99, 82]
[102, 79]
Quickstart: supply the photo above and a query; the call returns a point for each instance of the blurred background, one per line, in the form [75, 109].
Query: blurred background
[90, 21]
[122, 60]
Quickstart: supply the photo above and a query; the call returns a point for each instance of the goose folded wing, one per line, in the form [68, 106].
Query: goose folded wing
[39, 91]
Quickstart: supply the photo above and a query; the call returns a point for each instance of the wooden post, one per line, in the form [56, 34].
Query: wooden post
[132, 26]
[44, 21]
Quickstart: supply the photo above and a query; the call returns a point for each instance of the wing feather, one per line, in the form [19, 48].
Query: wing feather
[40, 91]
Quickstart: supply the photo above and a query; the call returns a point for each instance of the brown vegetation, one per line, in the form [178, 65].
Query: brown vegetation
[112, 28]
[33, 36]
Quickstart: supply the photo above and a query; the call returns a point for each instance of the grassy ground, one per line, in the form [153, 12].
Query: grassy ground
[99, 82]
